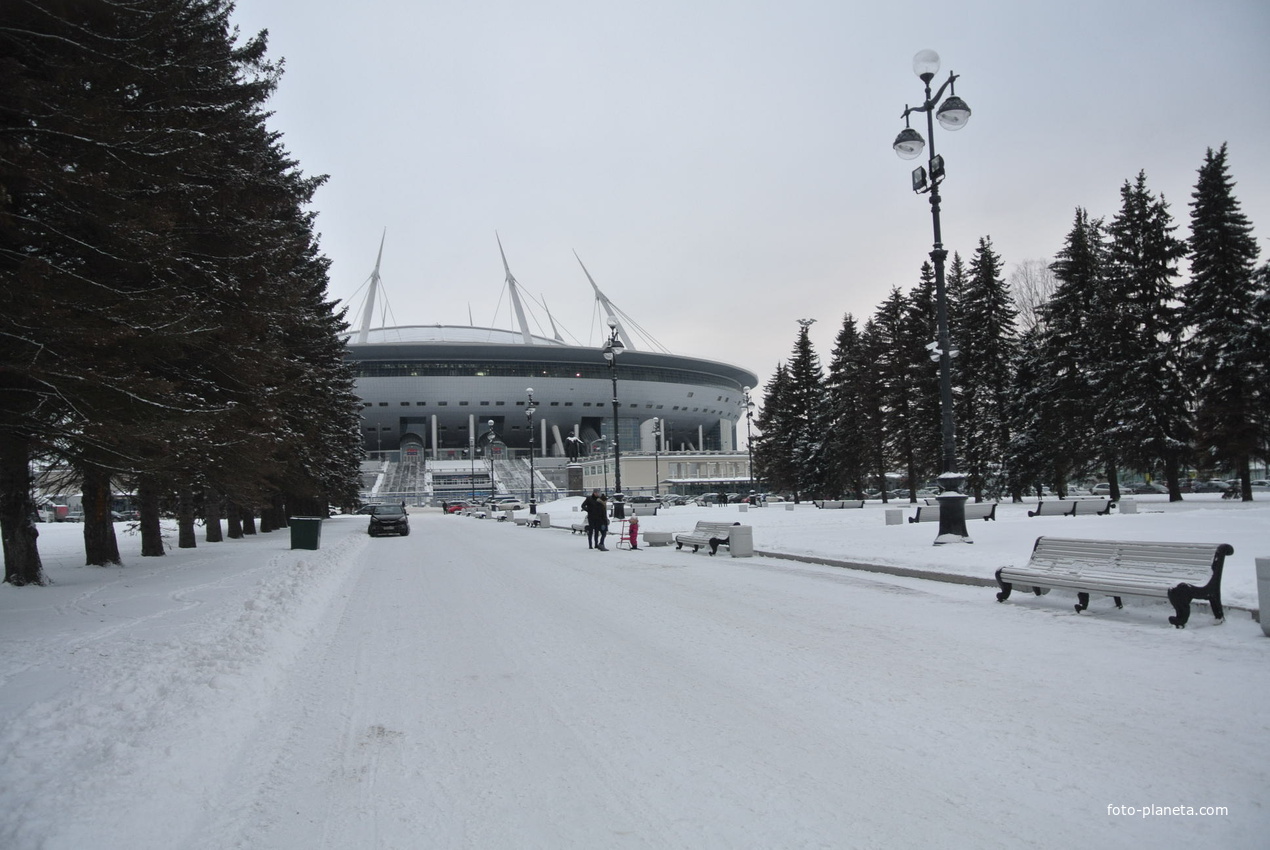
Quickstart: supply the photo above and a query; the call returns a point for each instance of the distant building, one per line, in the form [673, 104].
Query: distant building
[433, 391]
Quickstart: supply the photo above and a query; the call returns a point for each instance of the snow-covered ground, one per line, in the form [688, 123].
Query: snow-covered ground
[483, 685]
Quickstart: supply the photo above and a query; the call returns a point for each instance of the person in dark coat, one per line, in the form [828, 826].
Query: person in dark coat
[596, 519]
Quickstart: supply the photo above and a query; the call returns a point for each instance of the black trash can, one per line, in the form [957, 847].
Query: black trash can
[306, 532]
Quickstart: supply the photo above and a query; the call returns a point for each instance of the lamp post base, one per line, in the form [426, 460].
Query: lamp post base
[952, 510]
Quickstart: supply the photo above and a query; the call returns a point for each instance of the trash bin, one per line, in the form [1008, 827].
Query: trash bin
[894, 516]
[544, 520]
[1263, 593]
[306, 532]
[741, 541]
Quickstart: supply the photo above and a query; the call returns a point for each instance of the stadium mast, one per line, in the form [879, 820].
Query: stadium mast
[514, 289]
[369, 312]
[609, 309]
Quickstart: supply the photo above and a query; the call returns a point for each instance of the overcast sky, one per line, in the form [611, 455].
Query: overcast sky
[724, 167]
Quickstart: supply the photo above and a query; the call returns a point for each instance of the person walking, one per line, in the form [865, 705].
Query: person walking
[596, 519]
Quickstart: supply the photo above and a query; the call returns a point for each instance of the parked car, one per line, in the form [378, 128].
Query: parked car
[670, 499]
[367, 509]
[643, 500]
[507, 504]
[455, 507]
[1261, 485]
[389, 519]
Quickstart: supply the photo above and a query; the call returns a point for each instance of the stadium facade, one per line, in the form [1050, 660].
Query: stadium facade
[441, 391]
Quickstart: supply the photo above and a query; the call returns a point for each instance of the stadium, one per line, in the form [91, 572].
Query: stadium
[439, 398]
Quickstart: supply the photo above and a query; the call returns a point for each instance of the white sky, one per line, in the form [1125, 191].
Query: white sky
[725, 168]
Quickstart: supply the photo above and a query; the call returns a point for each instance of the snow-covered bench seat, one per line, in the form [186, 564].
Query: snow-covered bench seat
[839, 504]
[1073, 507]
[974, 510]
[1178, 572]
[712, 534]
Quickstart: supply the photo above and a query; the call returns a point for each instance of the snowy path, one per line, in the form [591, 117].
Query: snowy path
[478, 685]
[492, 687]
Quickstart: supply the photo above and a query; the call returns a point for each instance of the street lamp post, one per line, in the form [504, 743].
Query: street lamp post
[656, 451]
[613, 348]
[952, 114]
[529, 413]
[491, 438]
[749, 438]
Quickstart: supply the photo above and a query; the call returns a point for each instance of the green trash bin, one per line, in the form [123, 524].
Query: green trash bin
[306, 532]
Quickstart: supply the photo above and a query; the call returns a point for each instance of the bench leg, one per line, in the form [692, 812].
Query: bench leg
[1180, 597]
[714, 544]
[1083, 603]
[1119, 604]
[1006, 587]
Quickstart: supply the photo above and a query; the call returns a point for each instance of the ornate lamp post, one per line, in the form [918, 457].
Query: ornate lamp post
[529, 414]
[656, 451]
[749, 437]
[612, 348]
[490, 439]
[952, 114]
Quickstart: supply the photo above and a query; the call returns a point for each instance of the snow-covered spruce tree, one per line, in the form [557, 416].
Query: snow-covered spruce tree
[1028, 454]
[1142, 391]
[806, 397]
[774, 446]
[847, 468]
[1226, 347]
[1071, 342]
[872, 403]
[900, 372]
[986, 341]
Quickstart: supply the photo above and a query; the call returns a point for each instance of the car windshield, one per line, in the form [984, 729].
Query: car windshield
[389, 510]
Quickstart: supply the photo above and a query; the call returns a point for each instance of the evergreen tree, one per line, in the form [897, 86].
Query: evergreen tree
[902, 361]
[872, 403]
[1030, 449]
[774, 447]
[806, 397]
[847, 467]
[1221, 305]
[986, 342]
[1069, 345]
[1142, 392]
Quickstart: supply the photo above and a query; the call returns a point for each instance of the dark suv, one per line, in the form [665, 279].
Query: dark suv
[389, 519]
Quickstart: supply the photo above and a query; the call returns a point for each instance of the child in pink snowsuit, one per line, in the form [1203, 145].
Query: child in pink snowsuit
[634, 533]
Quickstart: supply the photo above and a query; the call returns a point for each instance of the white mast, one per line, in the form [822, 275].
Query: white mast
[515, 295]
[609, 309]
[369, 312]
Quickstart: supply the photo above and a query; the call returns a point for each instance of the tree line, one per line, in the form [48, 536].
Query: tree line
[166, 328]
[1100, 362]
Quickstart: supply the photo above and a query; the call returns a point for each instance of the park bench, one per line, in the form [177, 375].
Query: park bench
[974, 510]
[643, 509]
[1072, 507]
[839, 504]
[712, 534]
[1178, 572]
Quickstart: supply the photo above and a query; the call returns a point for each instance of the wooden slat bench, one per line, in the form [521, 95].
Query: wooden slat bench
[712, 534]
[1072, 507]
[974, 510]
[839, 504]
[1178, 572]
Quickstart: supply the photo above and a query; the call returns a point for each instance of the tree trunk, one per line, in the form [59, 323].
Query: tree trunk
[249, 522]
[148, 507]
[234, 519]
[1173, 476]
[211, 515]
[185, 536]
[22, 564]
[1113, 478]
[101, 547]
